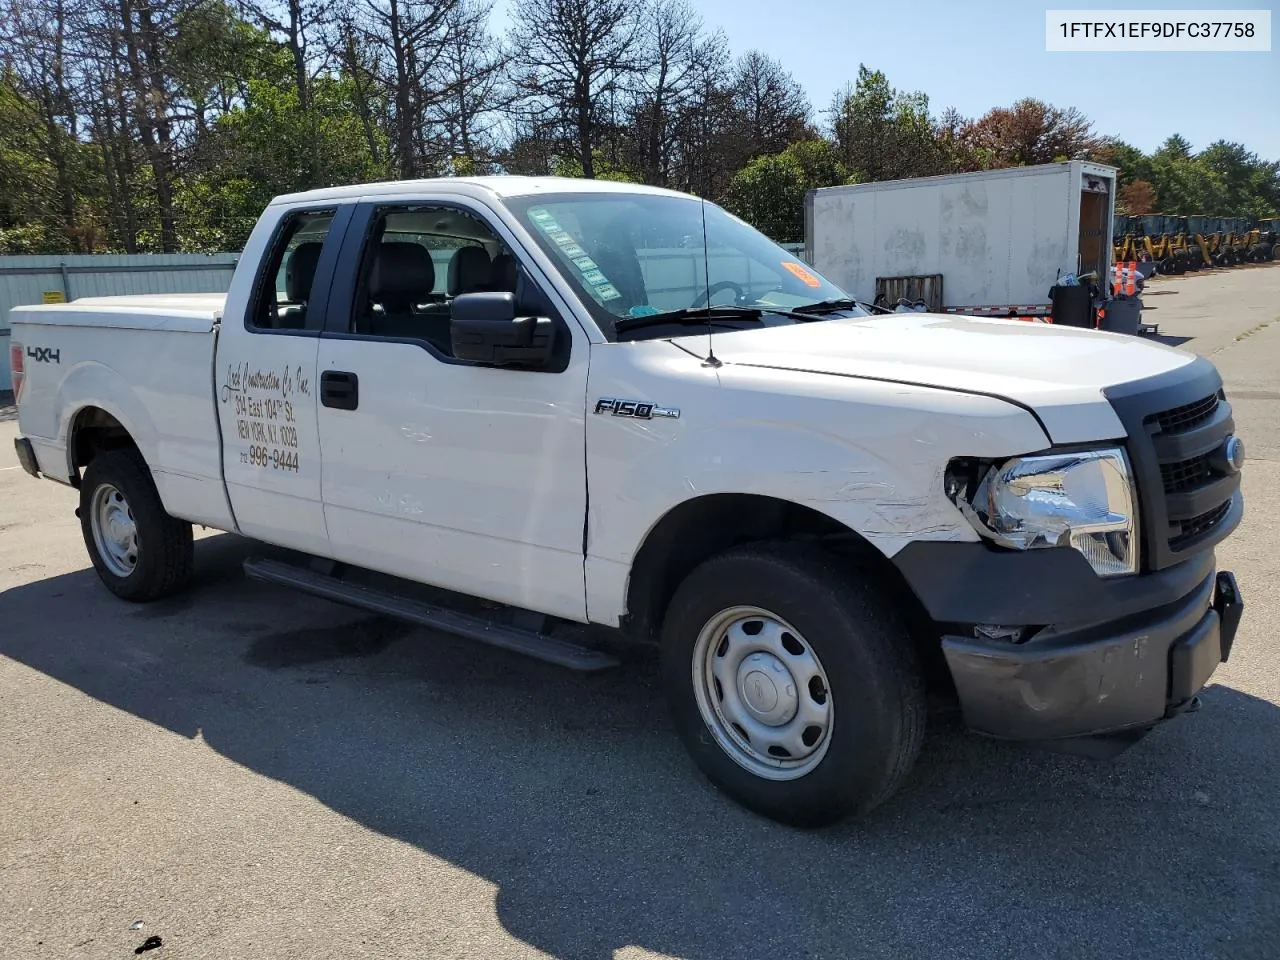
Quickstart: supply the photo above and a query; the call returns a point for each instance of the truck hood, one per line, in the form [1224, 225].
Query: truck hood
[1058, 372]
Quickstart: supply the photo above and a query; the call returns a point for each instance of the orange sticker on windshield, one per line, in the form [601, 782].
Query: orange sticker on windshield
[807, 278]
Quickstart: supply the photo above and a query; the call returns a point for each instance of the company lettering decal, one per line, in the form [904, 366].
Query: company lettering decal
[265, 415]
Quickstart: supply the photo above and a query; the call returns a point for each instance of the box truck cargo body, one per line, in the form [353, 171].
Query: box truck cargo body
[988, 242]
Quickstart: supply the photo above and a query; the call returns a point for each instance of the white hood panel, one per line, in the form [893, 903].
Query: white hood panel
[1059, 372]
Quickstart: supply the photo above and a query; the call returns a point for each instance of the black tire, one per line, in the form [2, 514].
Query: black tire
[164, 552]
[877, 690]
[1194, 260]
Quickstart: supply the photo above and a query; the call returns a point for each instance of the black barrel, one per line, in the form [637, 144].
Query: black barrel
[1072, 306]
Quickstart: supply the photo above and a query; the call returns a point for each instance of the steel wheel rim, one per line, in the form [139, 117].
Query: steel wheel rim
[761, 688]
[115, 532]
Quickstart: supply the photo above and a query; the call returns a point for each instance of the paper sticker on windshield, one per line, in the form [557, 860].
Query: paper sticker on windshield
[644, 310]
[587, 268]
[807, 278]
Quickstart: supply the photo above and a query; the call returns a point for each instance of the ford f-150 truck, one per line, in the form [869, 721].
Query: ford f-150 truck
[550, 414]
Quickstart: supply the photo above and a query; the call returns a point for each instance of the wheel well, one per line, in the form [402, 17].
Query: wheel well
[701, 528]
[95, 431]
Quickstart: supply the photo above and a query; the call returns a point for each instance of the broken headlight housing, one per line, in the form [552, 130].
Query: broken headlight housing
[1082, 499]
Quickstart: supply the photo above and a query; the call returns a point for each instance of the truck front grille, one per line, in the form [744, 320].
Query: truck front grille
[1176, 423]
[1188, 416]
[1191, 530]
[1185, 474]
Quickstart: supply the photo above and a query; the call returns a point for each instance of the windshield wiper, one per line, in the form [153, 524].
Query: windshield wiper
[688, 316]
[828, 306]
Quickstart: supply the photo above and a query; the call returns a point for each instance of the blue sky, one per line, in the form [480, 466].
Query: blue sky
[976, 54]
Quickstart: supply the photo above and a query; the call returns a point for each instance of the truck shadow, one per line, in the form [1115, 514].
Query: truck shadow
[573, 796]
[1169, 340]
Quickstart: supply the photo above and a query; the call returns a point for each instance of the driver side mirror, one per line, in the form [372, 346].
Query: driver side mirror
[484, 328]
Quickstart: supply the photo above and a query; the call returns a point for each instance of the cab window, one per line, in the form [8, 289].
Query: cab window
[285, 290]
[417, 260]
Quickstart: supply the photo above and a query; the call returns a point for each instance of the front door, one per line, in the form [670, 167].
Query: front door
[267, 386]
[463, 476]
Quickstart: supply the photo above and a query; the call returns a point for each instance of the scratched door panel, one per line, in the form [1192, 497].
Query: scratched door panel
[471, 478]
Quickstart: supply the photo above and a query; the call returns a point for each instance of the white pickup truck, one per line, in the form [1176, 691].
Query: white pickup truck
[546, 413]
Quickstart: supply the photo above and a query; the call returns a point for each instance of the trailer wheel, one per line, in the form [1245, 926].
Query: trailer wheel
[139, 551]
[793, 685]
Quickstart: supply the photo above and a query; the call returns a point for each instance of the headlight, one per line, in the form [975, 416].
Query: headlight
[1082, 499]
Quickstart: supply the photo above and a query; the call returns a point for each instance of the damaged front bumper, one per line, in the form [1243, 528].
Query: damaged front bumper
[1124, 670]
[1101, 679]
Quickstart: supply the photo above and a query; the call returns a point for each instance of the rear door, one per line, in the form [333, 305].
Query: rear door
[467, 477]
[266, 380]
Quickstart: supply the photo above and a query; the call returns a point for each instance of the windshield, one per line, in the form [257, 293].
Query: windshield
[638, 255]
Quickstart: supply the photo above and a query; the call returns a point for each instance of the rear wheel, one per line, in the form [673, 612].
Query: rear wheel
[793, 685]
[139, 551]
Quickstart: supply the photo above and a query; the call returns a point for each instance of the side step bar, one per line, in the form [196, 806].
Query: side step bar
[532, 644]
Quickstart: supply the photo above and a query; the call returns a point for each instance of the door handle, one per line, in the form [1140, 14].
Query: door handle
[339, 389]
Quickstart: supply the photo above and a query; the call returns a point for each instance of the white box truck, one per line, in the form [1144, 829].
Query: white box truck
[987, 243]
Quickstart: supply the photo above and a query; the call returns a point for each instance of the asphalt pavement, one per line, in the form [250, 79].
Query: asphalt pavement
[252, 773]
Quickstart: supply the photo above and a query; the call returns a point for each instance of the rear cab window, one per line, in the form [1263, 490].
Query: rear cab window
[285, 288]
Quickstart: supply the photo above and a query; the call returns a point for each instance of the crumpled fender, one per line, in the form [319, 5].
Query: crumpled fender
[869, 454]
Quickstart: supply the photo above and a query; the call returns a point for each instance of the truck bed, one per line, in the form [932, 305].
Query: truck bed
[186, 312]
[147, 362]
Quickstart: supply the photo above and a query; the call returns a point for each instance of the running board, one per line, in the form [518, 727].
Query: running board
[531, 644]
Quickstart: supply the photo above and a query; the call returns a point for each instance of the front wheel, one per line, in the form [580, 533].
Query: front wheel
[793, 685]
[139, 551]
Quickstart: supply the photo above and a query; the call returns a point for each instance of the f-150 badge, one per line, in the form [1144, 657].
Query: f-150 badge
[635, 409]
